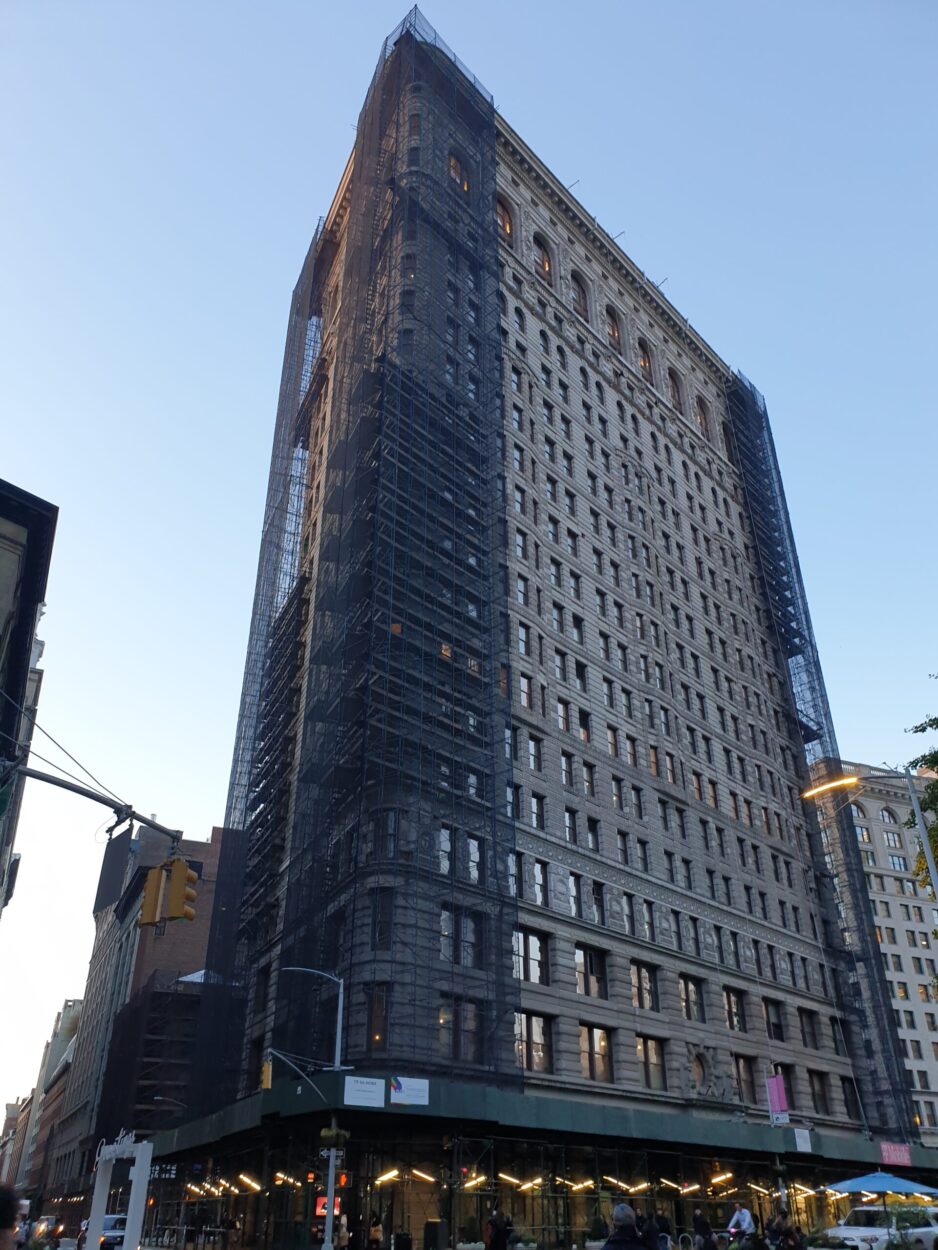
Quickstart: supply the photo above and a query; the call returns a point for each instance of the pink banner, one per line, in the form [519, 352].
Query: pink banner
[895, 1153]
[776, 1090]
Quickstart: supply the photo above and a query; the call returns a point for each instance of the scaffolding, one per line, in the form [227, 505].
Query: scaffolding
[372, 770]
[882, 1079]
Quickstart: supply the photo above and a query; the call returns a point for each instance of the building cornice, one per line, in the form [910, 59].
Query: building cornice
[601, 242]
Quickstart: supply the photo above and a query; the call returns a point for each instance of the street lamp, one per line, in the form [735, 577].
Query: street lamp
[336, 1067]
[843, 783]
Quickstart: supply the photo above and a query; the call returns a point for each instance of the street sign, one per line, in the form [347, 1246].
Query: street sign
[339, 1155]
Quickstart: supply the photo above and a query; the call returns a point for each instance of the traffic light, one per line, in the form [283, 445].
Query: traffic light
[267, 1073]
[150, 903]
[180, 893]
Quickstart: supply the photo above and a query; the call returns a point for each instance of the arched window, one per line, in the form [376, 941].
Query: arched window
[584, 379]
[545, 343]
[542, 262]
[580, 306]
[600, 394]
[644, 359]
[561, 358]
[857, 812]
[887, 816]
[503, 214]
[457, 173]
[519, 320]
[674, 390]
[702, 416]
[612, 329]
[502, 304]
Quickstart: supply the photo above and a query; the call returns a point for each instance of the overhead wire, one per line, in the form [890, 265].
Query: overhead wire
[31, 751]
[64, 750]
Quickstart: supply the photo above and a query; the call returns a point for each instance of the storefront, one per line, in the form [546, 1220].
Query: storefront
[435, 1173]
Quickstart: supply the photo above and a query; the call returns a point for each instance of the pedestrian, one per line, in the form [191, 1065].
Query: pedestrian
[703, 1233]
[650, 1233]
[498, 1230]
[375, 1233]
[664, 1230]
[624, 1235]
[742, 1222]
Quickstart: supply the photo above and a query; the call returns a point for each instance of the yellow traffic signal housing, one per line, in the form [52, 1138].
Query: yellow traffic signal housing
[180, 892]
[150, 903]
[267, 1073]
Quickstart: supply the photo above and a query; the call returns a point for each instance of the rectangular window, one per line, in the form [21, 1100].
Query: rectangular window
[644, 986]
[460, 936]
[692, 998]
[809, 1028]
[530, 956]
[575, 894]
[532, 1042]
[595, 1053]
[445, 850]
[734, 1003]
[745, 1078]
[460, 1029]
[820, 1092]
[540, 883]
[590, 966]
[378, 1004]
[651, 1061]
[774, 1019]
[382, 901]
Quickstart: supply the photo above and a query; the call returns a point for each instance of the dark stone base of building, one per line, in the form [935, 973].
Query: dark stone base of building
[256, 1171]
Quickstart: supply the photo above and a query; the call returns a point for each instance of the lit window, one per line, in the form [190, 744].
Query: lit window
[612, 329]
[542, 262]
[702, 417]
[644, 359]
[457, 173]
[503, 215]
[580, 306]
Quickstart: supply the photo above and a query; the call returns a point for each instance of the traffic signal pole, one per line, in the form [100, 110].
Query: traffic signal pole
[123, 811]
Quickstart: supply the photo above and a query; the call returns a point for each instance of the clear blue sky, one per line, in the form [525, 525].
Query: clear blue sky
[162, 168]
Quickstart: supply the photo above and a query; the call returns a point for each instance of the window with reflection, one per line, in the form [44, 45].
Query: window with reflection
[612, 329]
[674, 390]
[580, 306]
[644, 359]
[503, 216]
[542, 262]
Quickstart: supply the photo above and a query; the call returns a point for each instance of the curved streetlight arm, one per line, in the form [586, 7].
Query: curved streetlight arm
[840, 783]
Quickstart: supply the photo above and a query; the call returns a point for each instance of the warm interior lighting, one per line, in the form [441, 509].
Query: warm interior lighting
[811, 1192]
[249, 1181]
[758, 1188]
[723, 1176]
[193, 1189]
[476, 1180]
[505, 1177]
[839, 783]
[530, 1184]
[387, 1176]
[614, 1180]
[637, 1189]
[689, 1189]
[670, 1184]
[423, 1176]
[582, 1185]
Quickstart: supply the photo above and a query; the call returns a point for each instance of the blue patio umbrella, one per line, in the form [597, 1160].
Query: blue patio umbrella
[882, 1183]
